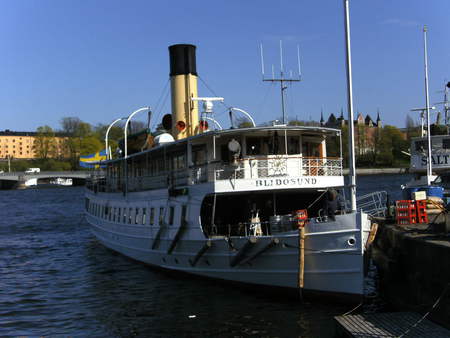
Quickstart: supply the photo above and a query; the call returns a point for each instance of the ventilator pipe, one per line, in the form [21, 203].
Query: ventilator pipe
[126, 126]
[245, 113]
[108, 153]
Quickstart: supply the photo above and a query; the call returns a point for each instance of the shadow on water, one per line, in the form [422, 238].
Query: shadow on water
[58, 280]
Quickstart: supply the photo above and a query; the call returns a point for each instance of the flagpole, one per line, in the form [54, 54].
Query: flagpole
[351, 128]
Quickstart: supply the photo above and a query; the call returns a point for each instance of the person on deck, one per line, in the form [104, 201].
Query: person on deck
[332, 204]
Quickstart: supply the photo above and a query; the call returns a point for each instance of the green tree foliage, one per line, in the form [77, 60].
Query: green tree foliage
[90, 145]
[77, 131]
[243, 122]
[295, 122]
[44, 143]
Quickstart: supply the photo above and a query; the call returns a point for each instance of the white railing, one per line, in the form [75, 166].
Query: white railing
[250, 168]
[279, 166]
[373, 204]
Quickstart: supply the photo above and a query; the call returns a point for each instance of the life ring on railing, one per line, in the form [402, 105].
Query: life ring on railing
[301, 216]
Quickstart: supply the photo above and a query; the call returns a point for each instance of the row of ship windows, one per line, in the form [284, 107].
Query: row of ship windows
[134, 215]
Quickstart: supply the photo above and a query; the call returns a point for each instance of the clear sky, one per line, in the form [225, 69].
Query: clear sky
[101, 59]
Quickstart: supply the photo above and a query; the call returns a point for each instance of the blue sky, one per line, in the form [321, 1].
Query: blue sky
[99, 60]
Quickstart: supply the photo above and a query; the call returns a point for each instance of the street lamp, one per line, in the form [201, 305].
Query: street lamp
[126, 126]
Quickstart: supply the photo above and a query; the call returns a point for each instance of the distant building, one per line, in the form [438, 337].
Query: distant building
[19, 145]
[365, 129]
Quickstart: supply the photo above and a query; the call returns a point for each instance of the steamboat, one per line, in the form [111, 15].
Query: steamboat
[255, 205]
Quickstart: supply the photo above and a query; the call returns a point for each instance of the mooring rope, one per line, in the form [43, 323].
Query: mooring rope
[426, 314]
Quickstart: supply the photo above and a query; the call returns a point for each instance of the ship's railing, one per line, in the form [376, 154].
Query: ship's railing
[279, 166]
[249, 168]
[240, 229]
[373, 204]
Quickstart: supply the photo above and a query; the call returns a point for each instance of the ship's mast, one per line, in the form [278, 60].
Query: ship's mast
[427, 106]
[351, 131]
[282, 80]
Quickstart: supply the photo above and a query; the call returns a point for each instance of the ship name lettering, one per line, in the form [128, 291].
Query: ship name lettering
[286, 181]
[436, 159]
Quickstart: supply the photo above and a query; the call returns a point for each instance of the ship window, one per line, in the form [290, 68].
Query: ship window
[199, 154]
[118, 214]
[86, 204]
[293, 145]
[136, 216]
[161, 216]
[183, 214]
[144, 211]
[124, 215]
[130, 210]
[421, 145]
[446, 143]
[152, 216]
[171, 214]
[253, 146]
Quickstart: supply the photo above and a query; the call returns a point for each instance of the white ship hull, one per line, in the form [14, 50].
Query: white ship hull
[333, 250]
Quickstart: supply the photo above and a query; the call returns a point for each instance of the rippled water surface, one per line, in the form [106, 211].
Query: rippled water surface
[56, 279]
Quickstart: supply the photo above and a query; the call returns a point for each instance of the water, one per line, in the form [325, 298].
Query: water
[56, 279]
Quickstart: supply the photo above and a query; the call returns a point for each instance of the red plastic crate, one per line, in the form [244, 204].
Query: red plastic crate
[421, 207]
[406, 212]
[422, 204]
[407, 220]
[405, 204]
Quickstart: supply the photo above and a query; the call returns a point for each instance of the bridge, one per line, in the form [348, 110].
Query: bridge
[12, 180]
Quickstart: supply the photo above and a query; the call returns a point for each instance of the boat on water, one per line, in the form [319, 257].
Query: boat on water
[229, 203]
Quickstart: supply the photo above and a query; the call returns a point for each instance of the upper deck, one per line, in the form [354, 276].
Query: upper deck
[247, 159]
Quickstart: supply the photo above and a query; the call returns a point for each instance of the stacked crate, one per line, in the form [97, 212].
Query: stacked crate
[421, 208]
[406, 212]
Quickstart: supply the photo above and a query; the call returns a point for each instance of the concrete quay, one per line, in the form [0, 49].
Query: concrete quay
[378, 171]
[413, 262]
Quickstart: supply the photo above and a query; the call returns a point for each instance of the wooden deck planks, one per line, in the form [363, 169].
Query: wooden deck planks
[387, 325]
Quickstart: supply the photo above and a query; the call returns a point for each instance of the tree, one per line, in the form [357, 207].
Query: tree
[90, 145]
[412, 128]
[243, 122]
[76, 131]
[45, 143]
[392, 144]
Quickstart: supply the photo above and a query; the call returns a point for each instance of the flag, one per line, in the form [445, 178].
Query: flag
[91, 160]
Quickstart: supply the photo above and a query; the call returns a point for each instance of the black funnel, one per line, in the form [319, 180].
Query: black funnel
[182, 60]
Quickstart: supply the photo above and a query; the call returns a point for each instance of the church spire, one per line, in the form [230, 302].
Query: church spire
[378, 118]
[322, 121]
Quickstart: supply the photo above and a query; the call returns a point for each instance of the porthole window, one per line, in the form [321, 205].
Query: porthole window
[351, 241]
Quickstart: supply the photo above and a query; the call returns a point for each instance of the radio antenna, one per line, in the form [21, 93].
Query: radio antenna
[281, 79]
